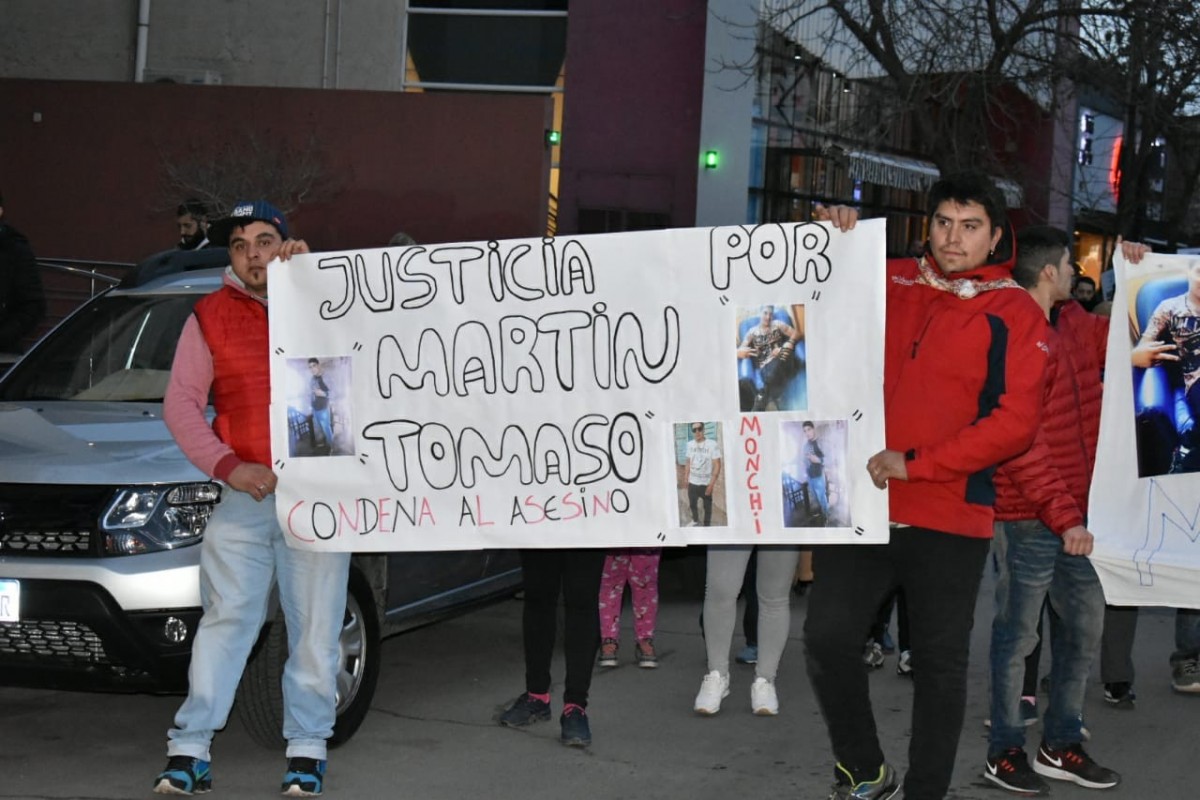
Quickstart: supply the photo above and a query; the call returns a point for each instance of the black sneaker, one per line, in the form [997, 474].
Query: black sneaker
[1119, 695]
[1072, 764]
[524, 711]
[1010, 770]
[575, 729]
[305, 777]
[184, 775]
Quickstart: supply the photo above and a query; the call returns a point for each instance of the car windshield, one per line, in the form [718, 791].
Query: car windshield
[117, 348]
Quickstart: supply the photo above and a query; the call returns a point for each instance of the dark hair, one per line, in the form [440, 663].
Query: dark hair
[808, 424]
[1037, 246]
[316, 361]
[1085, 279]
[193, 207]
[975, 187]
[1, 198]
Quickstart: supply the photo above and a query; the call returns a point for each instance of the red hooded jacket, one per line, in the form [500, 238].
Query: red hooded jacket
[1050, 481]
[962, 390]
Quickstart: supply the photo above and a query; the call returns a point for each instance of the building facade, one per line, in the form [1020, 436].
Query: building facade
[666, 114]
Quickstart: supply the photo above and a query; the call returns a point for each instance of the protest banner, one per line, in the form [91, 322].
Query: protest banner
[634, 389]
[1145, 501]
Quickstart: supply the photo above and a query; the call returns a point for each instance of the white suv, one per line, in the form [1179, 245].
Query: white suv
[100, 514]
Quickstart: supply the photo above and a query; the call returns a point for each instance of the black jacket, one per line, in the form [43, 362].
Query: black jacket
[22, 301]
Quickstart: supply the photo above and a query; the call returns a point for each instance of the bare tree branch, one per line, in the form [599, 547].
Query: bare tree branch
[245, 165]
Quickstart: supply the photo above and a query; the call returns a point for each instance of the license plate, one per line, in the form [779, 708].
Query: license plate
[10, 600]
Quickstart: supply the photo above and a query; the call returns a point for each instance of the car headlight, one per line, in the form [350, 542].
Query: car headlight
[150, 518]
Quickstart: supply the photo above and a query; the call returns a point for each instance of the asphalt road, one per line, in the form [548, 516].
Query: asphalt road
[431, 732]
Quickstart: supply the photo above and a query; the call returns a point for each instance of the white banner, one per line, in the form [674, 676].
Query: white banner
[635, 389]
[1145, 499]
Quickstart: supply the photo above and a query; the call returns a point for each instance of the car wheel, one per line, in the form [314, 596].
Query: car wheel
[260, 693]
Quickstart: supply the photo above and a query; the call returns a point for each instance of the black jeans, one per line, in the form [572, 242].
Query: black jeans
[699, 491]
[575, 574]
[940, 575]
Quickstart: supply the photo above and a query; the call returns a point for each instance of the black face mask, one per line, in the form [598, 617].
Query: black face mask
[191, 242]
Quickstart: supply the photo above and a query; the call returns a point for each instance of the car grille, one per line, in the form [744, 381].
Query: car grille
[41, 520]
[64, 643]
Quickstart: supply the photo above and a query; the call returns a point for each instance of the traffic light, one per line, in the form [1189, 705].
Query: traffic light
[711, 159]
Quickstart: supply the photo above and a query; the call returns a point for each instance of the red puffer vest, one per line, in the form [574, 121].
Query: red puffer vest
[1051, 480]
[234, 325]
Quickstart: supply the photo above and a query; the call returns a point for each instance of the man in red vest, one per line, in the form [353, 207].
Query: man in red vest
[224, 349]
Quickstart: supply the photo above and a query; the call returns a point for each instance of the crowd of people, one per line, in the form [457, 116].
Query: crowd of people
[992, 382]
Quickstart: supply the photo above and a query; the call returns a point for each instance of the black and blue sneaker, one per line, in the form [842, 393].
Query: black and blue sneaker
[305, 777]
[883, 786]
[184, 775]
[525, 710]
[575, 729]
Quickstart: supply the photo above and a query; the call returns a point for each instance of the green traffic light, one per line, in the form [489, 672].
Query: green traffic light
[711, 159]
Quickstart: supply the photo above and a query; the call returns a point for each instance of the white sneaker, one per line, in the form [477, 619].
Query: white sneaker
[873, 654]
[713, 689]
[763, 699]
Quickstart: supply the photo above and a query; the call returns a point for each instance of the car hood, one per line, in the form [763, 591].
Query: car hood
[78, 442]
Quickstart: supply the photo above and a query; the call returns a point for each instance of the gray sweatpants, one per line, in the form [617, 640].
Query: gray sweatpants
[776, 572]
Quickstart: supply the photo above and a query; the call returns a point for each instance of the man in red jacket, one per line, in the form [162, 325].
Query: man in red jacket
[1042, 547]
[964, 358]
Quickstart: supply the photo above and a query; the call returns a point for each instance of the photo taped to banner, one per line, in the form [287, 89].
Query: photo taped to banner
[700, 475]
[1165, 330]
[319, 413]
[814, 474]
[772, 374]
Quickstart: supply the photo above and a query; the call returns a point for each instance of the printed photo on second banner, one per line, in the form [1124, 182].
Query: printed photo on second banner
[814, 475]
[700, 475]
[1164, 322]
[318, 407]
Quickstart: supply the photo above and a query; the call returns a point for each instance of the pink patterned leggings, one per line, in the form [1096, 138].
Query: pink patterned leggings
[639, 567]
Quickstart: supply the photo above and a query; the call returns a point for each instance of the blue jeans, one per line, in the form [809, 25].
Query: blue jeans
[243, 554]
[816, 489]
[1033, 566]
[1187, 635]
[321, 417]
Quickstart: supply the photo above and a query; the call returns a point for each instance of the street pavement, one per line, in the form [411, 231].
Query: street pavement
[431, 733]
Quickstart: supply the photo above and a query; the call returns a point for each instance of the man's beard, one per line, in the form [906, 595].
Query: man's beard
[192, 241]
